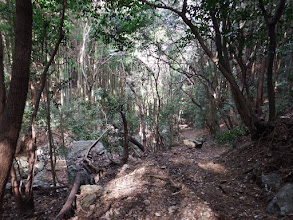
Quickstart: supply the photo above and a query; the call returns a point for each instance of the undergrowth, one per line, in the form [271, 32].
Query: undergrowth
[230, 136]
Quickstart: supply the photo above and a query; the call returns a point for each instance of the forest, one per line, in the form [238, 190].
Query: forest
[146, 109]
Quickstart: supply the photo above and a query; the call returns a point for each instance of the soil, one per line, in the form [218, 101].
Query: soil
[213, 182]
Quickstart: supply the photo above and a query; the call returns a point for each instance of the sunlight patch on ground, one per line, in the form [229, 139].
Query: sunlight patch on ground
[214, 167]
[196, 210]
[184, 161]
[126, 185]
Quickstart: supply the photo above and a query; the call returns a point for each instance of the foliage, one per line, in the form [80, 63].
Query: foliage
[82, 119]
[231, 135]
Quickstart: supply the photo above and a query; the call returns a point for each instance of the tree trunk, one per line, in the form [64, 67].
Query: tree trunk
[271, 22]
[141, 113]
[16, 191]
[270, 83]
[259, 96]
[50, 136]
[125, 134]
[2, 85]
[11, 118]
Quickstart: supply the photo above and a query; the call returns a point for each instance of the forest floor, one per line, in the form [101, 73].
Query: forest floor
[214, 182]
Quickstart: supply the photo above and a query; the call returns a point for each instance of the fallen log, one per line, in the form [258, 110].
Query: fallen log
[130, 138]
[67, 206]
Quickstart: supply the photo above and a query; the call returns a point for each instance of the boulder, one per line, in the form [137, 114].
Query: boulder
[271, 181]
[194, 143]
[75, 156]
[282, 203]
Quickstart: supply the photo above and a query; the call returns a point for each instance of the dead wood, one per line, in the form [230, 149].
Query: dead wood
[130, 138]
[90, 147]
[88, 162]
[67, 206]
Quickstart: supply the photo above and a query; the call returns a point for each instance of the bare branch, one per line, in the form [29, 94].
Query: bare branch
[163, 6]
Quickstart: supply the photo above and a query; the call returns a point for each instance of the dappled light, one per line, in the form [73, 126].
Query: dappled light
[214, 167]
[196, 210]
[146, 109]
[127, 185]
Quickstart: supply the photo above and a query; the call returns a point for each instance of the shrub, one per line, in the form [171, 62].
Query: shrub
[231, 135]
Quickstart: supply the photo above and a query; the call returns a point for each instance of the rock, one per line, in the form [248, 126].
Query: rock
[91, 189]
[158, 214]
[194, 143]
[88, 196]
[79, 148]
[75, 157]
[125, 167]
[271, 181]
[172, 209]
[147, 202]
[85, 177]
[282, 203]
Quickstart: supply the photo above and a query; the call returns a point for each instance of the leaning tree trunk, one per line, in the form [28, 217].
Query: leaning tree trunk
[11, 118]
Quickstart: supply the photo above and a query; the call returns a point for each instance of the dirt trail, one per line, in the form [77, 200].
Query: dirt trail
[178, 183]
[182, 183]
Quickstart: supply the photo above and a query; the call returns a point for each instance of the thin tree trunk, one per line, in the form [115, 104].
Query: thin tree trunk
[50, 137]
[259, 96]
[16, 191]
[2, 85]
[141, 113]
[125, 134]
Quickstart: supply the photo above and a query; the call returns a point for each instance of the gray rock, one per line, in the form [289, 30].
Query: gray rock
[194, 143]
[79, 148]
[75, 157]
[85, 177]
[282, 203]
[271, 181]
[88, 196]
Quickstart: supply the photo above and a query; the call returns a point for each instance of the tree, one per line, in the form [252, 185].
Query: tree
[271, 22]
[11, 117]
[219, 17]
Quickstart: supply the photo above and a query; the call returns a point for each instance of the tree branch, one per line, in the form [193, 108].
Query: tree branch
[263, 10]
[278, 12]
[161, 6]
[44, 74]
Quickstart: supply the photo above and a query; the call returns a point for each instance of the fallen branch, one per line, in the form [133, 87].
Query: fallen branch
[67, 206]
[90, 147]
[165, 179]
[89, 163]
[130, 138]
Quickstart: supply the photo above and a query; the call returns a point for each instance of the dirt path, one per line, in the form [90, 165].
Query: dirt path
[182, 183]
[178, 183]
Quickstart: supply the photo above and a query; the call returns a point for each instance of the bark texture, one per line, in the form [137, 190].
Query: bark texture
[11, 118]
